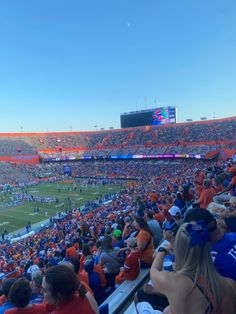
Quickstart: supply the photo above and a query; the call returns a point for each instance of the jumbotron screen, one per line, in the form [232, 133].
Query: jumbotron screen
[156, 116]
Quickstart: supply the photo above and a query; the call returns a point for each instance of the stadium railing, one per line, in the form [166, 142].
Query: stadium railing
[124, 291]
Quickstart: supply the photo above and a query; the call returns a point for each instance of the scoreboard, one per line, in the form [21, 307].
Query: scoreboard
[156, 116]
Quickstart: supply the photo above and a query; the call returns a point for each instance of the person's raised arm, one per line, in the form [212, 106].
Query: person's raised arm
[160, 278]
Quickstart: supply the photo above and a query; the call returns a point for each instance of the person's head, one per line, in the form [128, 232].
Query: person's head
[60, 283]
[86, 249]
[206, 183]
[149, 215]
[20, 293]
[175, 212]
[98, 244]
[140, 224]
[192, 255]
[197, 214]
[127, 220]
[107, 243]
[7, 285]
[76, 263]
[132, 243]
[179, 196]
[189, 254]
[117, 234]
[37, 278]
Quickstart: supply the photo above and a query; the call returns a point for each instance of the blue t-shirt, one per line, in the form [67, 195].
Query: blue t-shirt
[224, 255]
[6, 306]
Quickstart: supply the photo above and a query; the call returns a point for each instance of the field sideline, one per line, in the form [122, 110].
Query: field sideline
[16, 217]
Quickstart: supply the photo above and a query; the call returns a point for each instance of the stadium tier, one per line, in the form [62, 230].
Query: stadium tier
[205, 138]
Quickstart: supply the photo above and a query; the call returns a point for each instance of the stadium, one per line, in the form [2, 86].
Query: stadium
[117, 157]
[65, 193]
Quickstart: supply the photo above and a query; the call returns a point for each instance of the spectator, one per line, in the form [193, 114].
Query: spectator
[36, 285]
[207, 195]
[155, 228]
[176, 215]
[144, 242]
[5, 289]
[131, 267]
[94, 281]
[222, 244]
[111, 261]
[227, 219]
[19, 296]
[221, 197]
[179, 201]
[65, 294]
[195, 277]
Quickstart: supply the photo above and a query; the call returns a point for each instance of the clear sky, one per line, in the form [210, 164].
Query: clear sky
[73, 64]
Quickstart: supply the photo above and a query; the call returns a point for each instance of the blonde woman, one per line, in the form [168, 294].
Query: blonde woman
[195, 287]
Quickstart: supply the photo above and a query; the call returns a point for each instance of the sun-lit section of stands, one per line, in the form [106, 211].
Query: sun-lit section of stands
[195, 138]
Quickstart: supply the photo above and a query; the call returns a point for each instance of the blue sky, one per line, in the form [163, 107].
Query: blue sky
[72, 64]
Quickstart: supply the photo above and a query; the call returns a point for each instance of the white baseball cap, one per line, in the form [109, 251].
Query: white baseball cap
[174, 211]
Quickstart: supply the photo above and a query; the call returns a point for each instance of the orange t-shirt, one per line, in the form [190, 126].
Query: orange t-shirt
[146, 254]
[206, 197]
[199, 189]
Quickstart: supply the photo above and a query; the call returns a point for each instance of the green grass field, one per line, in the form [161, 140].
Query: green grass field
[13, 218]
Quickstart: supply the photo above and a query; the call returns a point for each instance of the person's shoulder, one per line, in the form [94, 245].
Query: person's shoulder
[11, 311]
[233, 180]
[173, 283]
[231, 236]
[38, 308]
[222, 247]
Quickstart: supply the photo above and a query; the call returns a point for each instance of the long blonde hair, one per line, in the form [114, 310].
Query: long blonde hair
[195, 262]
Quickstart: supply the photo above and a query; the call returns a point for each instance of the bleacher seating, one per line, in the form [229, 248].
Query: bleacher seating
[195, 137]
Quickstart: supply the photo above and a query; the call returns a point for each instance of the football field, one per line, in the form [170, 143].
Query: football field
[45, 200]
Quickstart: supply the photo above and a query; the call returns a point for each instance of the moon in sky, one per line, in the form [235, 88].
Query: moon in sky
[128, 24]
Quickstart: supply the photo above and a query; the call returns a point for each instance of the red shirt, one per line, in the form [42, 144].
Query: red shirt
[76, 305]
[71, 252]
[132, 265]
[2, 299]
[32, 309]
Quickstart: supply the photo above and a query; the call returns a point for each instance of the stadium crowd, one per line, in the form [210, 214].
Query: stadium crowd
[74, 264]
[24, 174]
[212, 135]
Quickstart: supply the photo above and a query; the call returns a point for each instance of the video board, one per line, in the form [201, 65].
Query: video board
[156, 116]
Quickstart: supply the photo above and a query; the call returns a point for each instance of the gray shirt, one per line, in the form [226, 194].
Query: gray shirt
[111, 261]
[156, 231]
